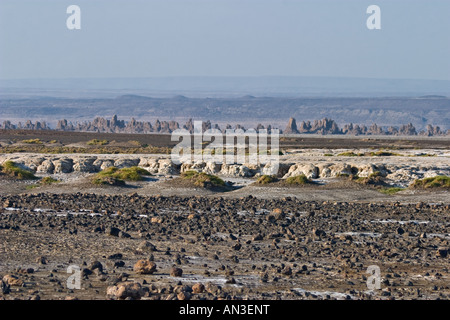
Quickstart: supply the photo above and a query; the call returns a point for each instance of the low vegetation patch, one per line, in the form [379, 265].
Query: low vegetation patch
[137, 143]
[125, 174]
[350, 154]
[265, 179]
[97, 142]
[424, 155]
[201, 179]
[342, 175]
[392, 190]
[46, 181]
[298, 180]
[384, 154]
[373, 178]
[11, 169]
[32, 141]
[432, 182]
[380, 153]
[56, 149]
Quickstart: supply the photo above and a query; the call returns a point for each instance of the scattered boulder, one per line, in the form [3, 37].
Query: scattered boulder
[115, 256]
[198, 288]
[183, 296]
[96, 265]
[4, 288]
[112, 231]
[146, 246]
[442, 252]
[125, 290]
[176, 272]
[12, 280]
[41, 260]
[144, 267]
[318, 233]
[257, 237]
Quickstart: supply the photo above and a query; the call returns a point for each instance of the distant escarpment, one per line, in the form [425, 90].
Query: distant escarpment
[329, 126]
[247, 110]
[324, 127]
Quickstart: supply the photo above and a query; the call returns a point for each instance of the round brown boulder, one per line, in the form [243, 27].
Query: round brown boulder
[144, 267]
[125, 290]
[198, 288]
[12, 280]
[176, 272]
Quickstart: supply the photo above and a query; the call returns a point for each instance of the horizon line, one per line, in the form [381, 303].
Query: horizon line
[223, 76]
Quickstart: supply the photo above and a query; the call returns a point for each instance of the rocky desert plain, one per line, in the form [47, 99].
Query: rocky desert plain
[238, 234]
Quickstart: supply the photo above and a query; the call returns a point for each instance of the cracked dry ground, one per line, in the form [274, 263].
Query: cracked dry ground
[246, 248]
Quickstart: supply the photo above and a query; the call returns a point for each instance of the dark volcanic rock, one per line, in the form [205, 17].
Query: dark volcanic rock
[176, 272]
[112, 231]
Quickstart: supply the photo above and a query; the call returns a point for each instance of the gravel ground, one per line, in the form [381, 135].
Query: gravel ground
[227, 248]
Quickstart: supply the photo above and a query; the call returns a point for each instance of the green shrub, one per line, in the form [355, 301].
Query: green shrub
[375, 174]
[373, 178]
[350, 154]
[126, 174]
[97, 142]
[424, 155]
[32, 141]
[384, 154]
[265, 179]
[13, 170]
[48, 180]
[202, 179]
[43, 181]
[342, 175]
[432, 182]
[189, 174]
[56, 149]
[298, 180]
[136, 143]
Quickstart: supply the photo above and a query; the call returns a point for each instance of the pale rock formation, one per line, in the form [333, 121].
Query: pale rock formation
[46, 166]
[309, 170]
[84, 165]
[63, 165]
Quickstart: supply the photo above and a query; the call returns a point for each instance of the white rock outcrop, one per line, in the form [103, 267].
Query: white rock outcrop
[403, 170]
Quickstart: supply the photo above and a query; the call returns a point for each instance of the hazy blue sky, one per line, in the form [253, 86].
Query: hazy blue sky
[137, 38]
